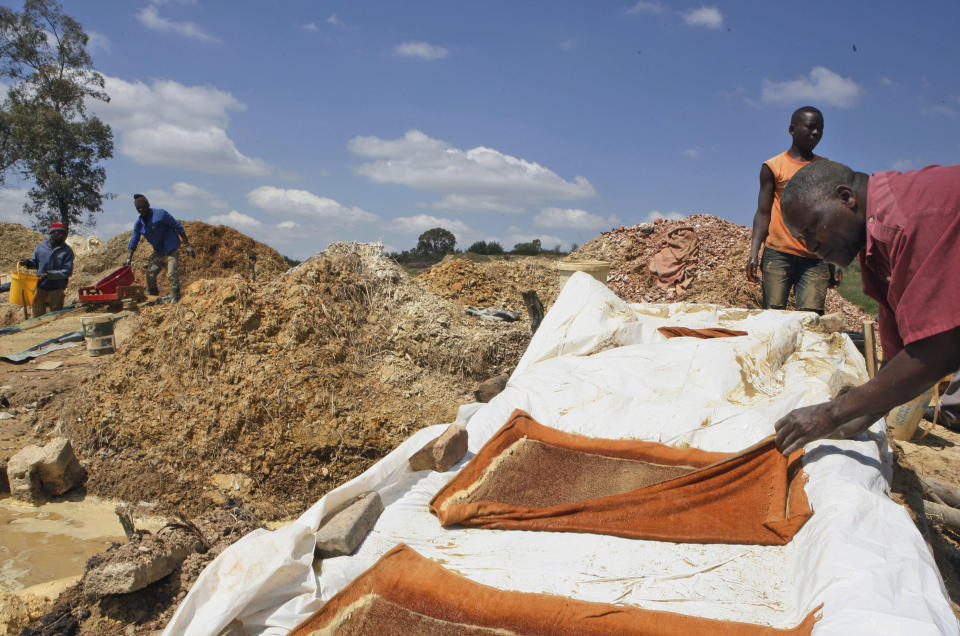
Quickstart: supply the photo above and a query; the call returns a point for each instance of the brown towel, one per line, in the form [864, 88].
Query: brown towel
[671, 265]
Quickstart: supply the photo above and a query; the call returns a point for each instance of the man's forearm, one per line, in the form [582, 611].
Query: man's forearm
[908, 374]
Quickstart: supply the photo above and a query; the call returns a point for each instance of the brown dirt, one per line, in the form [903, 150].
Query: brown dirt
[719, 276]
[292, 387]
[496, 283]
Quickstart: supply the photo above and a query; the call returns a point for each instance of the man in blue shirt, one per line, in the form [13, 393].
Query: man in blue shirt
[53, 260]
[165, 234]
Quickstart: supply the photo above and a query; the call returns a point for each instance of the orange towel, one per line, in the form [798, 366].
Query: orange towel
[405, 593]
[531, 477]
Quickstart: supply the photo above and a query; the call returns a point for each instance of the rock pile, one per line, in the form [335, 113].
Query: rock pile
[718, 273]
[294, 386]
[495, 283]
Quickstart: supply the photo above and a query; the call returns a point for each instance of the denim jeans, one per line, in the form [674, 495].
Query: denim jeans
[808, 277]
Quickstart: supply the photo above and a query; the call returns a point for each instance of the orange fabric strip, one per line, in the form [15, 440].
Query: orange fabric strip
[755, 496]
[452, 604]
[686, 332]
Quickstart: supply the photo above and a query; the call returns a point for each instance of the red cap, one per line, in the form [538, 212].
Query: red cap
[58, 226]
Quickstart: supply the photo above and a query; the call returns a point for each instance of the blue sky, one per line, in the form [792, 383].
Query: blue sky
[301, 123]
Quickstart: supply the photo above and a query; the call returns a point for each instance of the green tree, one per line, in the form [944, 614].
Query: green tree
[436, 242]
[528, 249]
[46, 134]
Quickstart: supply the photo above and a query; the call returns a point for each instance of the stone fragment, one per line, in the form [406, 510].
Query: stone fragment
[345, 530]
[59, 471]
[4, 481]
[134, 568]
[443, 452]
[23, 472]
[490, 388]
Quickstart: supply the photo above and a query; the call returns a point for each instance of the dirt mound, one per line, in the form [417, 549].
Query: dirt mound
[722, 251]
[221, 252]
[497, 283]
[16, 242]
[280, 390]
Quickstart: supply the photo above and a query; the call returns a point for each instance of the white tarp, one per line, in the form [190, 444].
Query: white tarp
[597, 366]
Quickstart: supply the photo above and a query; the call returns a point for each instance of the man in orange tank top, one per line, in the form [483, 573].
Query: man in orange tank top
[786, 263]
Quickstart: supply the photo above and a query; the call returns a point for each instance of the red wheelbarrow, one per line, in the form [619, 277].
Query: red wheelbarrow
[116, 286]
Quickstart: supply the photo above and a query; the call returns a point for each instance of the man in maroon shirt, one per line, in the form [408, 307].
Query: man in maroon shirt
[905, 227]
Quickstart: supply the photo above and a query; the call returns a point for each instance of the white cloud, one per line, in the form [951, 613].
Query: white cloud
[464, 203]
[423, 50]
[709, 17]
[98, 41]
[280, 202]
[476, 175]
[573, 219]
[822, 86]
[423, 222]
[184, 196]
[11, 205]
[150, 17]
[334, 20]
[234, 219]
[310, 26]
[886, 81]
[693, 153]
[902, 165]
[644, 6]
[669, 216]
[288, 225]
[169, 124]
[942, 109]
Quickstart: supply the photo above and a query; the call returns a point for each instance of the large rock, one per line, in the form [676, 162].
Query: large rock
[35, 473]
[491, 388]
[23, 472]
[137, 564]
[347, 529]
[443, 452]
[60, 471]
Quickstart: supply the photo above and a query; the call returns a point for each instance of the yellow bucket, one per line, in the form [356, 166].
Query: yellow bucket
[906, 418]
[23, 287]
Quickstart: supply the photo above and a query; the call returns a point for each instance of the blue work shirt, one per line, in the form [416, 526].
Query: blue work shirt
[55, 262]
[161, 230]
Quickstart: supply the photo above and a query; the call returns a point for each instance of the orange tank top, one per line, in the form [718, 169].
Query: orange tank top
[783, 167]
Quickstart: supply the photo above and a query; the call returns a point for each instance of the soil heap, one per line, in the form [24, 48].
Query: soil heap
[496, 283]
[277, 392]
[719, 278]
[221, 251]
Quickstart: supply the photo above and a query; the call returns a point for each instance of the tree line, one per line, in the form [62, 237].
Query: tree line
[437, 242]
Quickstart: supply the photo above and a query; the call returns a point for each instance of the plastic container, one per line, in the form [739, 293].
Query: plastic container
[598, 269]
[98, 332]
[906, 417]
[23, 287]
[108, 289]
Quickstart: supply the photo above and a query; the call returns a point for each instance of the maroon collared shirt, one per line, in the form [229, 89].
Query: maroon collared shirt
[911, 263]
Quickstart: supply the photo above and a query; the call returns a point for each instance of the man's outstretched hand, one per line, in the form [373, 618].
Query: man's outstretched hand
[804, 425]
[751, 270]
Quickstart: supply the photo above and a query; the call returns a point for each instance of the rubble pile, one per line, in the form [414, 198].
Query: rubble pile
[221, 251]
[16, 242]
[718, 271]
[495, 283]
[277, 392]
